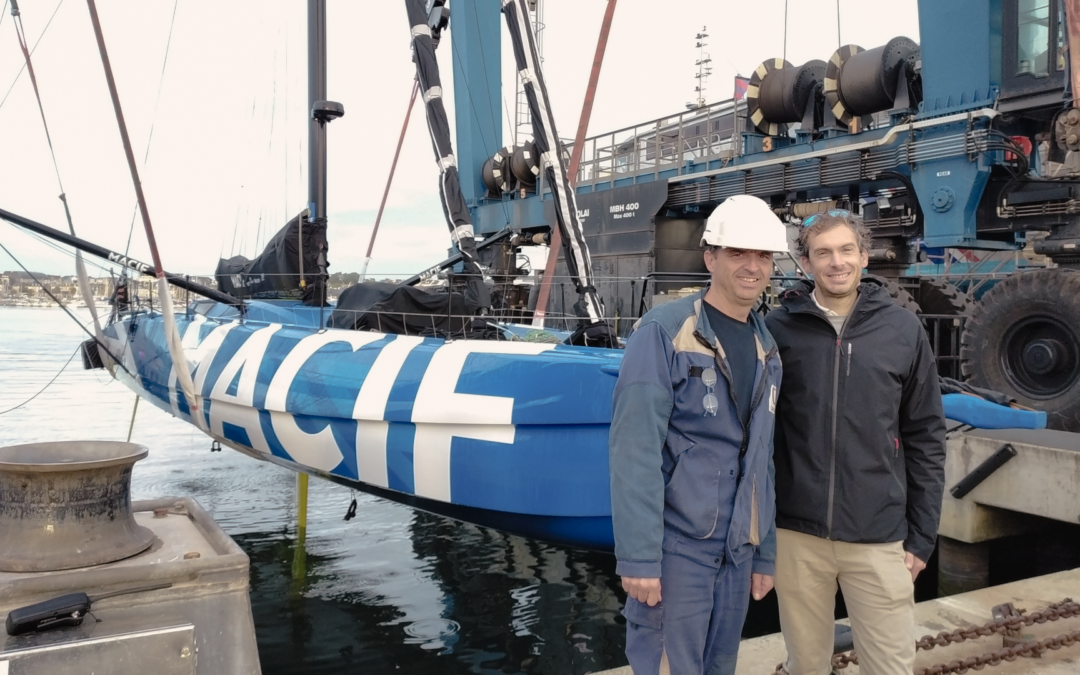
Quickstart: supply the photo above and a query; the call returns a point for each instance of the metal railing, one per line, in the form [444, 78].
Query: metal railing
[711, 132]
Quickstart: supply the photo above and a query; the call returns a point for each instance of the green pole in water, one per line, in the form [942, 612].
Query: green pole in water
[299, 566]
[301, 506]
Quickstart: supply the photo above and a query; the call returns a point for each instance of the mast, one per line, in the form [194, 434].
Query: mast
[322, 112]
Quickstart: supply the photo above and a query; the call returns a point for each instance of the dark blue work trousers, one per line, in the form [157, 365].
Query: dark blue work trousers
[698, 624]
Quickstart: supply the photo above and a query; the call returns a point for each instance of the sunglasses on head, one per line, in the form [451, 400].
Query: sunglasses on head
[836, 213]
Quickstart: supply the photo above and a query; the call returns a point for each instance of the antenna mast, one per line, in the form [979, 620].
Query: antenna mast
[704, 67]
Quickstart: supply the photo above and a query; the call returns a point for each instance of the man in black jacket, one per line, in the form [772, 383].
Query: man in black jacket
[860, 456]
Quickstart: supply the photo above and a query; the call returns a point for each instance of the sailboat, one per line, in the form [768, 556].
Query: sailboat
[390, 392]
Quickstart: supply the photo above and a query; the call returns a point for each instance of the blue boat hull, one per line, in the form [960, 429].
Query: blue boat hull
[511, 435]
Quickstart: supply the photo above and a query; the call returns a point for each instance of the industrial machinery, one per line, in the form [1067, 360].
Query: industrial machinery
[961, 153]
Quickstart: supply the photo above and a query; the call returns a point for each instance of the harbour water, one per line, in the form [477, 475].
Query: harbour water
[393, 590]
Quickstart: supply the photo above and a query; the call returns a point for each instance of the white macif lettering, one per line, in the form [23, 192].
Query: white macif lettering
[320, 450]
[431, 452]
[370, 409]
[440, 413]
[239, 409]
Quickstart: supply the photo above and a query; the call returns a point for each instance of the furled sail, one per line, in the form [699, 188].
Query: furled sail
[286, 269]
[477, 295]
[575, 251]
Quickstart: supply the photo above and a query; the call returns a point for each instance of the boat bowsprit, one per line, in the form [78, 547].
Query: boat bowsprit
[508, 434]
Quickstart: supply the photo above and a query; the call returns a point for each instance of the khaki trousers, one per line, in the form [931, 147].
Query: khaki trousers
[878, 593]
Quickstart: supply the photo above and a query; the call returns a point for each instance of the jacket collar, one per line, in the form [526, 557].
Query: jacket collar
[872, 296]
[764, 338]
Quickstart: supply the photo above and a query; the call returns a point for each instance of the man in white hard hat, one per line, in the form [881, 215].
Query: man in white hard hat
[691, 455]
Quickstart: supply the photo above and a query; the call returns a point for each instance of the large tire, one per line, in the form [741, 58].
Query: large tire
[899, 295]
[937, 296]
[1023, 339]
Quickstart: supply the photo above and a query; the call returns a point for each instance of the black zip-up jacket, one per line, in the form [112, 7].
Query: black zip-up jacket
[860, 432]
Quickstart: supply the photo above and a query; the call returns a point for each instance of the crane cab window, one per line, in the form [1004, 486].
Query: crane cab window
[1033, 38]
[1033, 48]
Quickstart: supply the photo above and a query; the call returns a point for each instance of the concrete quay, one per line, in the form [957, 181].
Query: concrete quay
[759, 656]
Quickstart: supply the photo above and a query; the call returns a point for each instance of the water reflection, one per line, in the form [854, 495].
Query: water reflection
[392, 590]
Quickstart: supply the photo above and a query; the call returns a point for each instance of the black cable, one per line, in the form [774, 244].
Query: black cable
[100, 344]
[47, 385]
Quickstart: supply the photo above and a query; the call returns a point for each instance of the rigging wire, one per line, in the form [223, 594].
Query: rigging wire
[19, 74]
[285, 192]
[153, 117]
[80, 265]
[61, 249]
[172, 334]
[100, 344]
[66, 364]
[20, 32]
[390, 179]
[269, 147]
[839, 44]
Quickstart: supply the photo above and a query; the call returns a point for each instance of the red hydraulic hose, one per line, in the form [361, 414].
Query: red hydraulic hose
[575, 159]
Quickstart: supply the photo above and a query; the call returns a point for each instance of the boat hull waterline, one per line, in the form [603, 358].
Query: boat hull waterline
[512, 435]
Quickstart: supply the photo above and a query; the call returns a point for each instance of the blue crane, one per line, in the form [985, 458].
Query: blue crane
[961, 153]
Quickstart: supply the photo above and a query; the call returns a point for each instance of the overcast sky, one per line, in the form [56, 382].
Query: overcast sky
[226, 163]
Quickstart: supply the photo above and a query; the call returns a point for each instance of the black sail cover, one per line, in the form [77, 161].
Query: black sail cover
[276, 273]
[401, 310]
[575, 251]
[476, 294]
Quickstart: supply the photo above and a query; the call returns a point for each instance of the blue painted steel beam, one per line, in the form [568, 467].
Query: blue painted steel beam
[476, 38]
[961, 54]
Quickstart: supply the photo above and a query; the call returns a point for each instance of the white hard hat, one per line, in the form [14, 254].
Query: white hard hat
[745, 222]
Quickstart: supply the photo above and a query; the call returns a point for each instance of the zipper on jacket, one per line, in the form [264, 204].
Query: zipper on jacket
[848, 374]
[838, 355]
[754, 509]
[832, 454]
